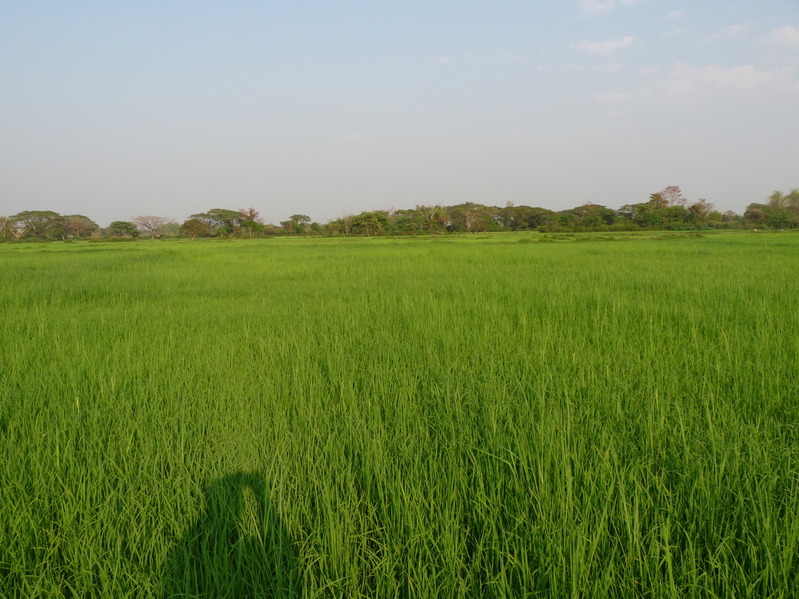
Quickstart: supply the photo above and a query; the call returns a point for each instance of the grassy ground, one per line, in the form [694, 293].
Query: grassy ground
[484, 416]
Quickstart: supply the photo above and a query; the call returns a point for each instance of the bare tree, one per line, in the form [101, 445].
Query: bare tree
[433, 214]
[8, 227]
[673, 196]
[151, 225]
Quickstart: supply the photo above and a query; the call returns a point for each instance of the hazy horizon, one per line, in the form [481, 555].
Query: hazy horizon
[330, 109]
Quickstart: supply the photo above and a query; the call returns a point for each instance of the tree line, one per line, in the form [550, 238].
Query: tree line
[667, 209]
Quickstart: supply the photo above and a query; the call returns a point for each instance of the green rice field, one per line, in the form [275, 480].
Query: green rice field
[469, 416]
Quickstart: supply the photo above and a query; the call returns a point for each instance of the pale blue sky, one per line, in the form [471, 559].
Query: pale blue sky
[119, 109]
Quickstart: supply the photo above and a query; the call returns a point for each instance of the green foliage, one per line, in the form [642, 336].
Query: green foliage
[40, 224]
[370, 223]
[222, 221]
[196, 227]
[123, 228]
[431, 417]
[472, 218]
[781, 212]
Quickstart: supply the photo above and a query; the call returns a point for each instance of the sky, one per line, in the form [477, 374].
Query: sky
[120, 109]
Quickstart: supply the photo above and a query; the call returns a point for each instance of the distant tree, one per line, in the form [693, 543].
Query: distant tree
[269, 229]
[657, 201]
[123, 228]
[779, 219]
[8, 227]
[195, 227]
[251, 222]
[226, 222]
[523, 218]
[532, 217]
[170, 229]
[300, 223]
[471, 217]
[333, 227]
[699, 211]
[221, 221]
[151, 225]
[408, 222]
[77, 225]
[785, 207]
[205, 219]
[346, 221]
[755, 214]
[593, 217]
[651, 215]
[370, 223]
[41, 224]
[778, 200]
[627, 212]
[781, 211]
[338, 226]
[672, 195]
[664, 210]
[434, 215]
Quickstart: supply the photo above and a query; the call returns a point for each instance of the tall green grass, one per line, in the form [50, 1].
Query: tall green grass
[446, 417]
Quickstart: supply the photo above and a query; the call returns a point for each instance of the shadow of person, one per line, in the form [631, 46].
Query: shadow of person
[237, 548]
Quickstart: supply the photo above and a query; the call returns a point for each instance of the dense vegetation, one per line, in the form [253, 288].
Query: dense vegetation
[665, 210]
[469, 416]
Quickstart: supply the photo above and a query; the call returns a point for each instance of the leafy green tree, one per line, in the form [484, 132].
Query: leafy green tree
[251, 222]
[123, 228]
[223, 221]
[195, 227]
[779, 199]
[299, 223]
[338, 226]
[779, 219]
[781, 211]
[564, 220]
[471, 217]
[676, 215]
[593, 217]
[370, 223]
[408, 222]
[41, 224]
[756, 214]
[524, 218]
[664, 210]
[785, 208]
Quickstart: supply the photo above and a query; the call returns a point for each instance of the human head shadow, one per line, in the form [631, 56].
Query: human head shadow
[237, 548]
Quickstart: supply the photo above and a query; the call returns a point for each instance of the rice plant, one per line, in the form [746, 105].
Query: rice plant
[444, 417]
